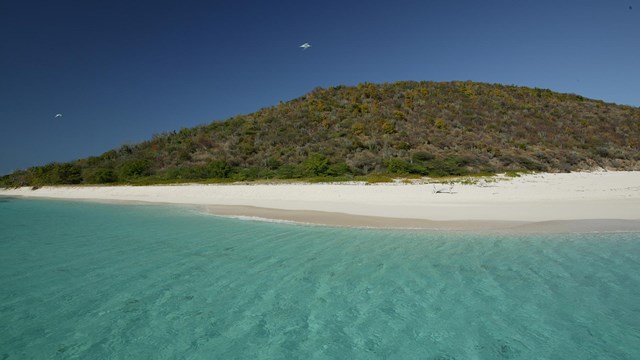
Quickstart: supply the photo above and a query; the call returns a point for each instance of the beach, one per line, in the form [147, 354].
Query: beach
[586, 201]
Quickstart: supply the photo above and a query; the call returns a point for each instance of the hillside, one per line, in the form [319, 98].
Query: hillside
[422, 128]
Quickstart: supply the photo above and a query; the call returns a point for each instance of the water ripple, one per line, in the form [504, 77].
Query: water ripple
[85, 280]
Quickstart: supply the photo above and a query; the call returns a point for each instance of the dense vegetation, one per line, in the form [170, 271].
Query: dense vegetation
[405, 128]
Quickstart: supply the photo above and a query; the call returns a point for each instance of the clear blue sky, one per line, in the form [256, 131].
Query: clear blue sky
[121, 71]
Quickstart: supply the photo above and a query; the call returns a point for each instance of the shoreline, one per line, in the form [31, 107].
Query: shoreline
[319, 218]
[572, 202]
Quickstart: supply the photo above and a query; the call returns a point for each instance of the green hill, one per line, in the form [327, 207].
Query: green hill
[421, 128]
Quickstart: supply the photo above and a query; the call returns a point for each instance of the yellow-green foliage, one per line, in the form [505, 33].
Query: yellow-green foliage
[459, 127]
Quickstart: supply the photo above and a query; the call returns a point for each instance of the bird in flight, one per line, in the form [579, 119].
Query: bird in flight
[58, 115]
[305, 46]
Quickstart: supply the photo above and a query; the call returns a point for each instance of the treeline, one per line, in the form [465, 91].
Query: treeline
[315, 167]
[405, 128]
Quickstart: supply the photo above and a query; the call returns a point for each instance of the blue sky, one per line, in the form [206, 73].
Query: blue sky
[121, 71]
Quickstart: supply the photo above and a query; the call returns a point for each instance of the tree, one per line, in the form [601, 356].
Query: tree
[134, 169]
[99, 176]
[316, 165]
[67, 174]
[219, 169]
[364, 162]
[397, 166]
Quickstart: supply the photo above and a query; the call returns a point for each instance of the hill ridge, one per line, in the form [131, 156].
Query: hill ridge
[403, 128]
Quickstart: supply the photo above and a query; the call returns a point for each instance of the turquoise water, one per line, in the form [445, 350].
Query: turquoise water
[101, 281]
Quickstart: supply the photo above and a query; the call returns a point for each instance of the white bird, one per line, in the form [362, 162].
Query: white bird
[305, 46]
[58, 115]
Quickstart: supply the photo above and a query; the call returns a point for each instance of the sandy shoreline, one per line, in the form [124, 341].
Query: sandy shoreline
[588, 201]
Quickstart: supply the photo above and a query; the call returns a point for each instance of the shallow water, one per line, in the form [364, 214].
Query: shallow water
[102, 281]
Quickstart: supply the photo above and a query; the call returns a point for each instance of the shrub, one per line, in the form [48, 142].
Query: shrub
[338, 169]
[422, 156]
[290, 172]
[446, 167]
[440, 124]
[358, 128]
[252, 173]
[397, 166]
[273, 163]
[67, 174]
[218, 169]
[602, 151]
[418, 169]
[364, 162]
[134, 169]
[99, 176]
[388, 127]
[316, 165]
[186, 173]
[531, 164]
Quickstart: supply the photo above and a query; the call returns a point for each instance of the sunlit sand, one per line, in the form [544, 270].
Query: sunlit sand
[495, 203]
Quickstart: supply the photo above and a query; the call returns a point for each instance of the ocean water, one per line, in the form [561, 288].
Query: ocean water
[82, 280]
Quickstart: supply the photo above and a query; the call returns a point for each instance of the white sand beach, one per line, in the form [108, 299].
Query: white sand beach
[552, 201]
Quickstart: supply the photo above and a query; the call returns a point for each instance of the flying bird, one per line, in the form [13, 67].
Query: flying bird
[305, 46]
[58, 115]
